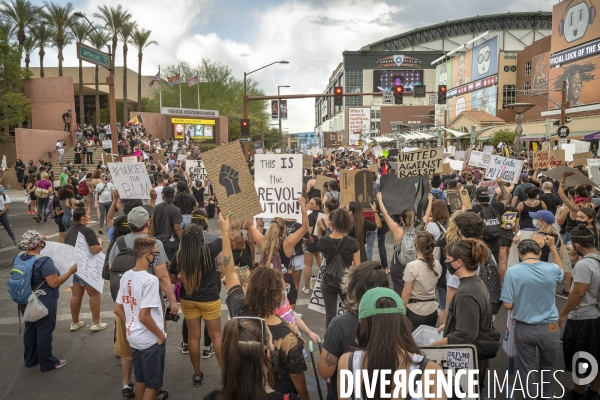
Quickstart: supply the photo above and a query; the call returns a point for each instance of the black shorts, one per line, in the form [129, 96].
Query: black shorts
[61, 226]
[506, 237]
[290, 287]
[149, 365]
[581, 335]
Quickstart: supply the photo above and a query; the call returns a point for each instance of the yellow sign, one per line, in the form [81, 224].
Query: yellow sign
[193, 121]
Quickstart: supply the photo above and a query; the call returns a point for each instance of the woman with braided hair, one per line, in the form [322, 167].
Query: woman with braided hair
[195, 265]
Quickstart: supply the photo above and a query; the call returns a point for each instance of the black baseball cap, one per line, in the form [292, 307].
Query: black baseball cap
[169, 194]
[482, 192]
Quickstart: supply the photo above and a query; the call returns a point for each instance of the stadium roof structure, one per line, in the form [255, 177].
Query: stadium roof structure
[522, 28]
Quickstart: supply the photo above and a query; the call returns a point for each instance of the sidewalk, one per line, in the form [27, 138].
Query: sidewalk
[16, 196]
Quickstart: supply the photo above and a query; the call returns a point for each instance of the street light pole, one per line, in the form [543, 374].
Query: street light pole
[110, 81]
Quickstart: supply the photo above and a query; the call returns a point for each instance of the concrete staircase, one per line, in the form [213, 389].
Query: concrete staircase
[70, 155]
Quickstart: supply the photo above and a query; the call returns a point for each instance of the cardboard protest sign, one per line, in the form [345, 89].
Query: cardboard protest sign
[89, 266]
[129, 159]
[446, 169]
[278, 182]
[556, 159]
[574, 180]
[107, 158]
[466, 199]
[454, 357]
[479, 159]
[594, 170]
[157, 157]
[508, 169]
[196, 170]
[357, 185]
[317, 303]
[420, 162]
[581, 158]
[307, 161]
[107, 144]
[407, 193]
[541, 159]
[131, 180]
[489, 185]
[63, 256]
[231, 180]
[321, 179]
[374, 168]
[453, 199]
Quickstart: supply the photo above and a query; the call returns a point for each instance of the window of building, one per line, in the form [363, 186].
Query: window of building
[527, 87]
[353, 84]
[528, 68]
[509, 95]
[375, 114]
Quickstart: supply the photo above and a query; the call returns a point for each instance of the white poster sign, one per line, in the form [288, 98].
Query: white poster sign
[377, 150]
[181, 157]
[63, 256]
[508, 169]
[89, 266]
[129, 159]
[488, 149]
[460, 155]
[594, 169]
[580, 146]
[317, 303]
[107, 144]
[455, 357]
[359, 120]
[131, 180]
[480, 159]
[196, 170]
[455, 165]
[278, 182]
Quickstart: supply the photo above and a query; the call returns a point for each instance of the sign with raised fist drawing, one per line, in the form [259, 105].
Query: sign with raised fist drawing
[230, 177]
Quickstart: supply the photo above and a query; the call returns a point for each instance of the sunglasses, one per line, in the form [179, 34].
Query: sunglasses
[262, 326]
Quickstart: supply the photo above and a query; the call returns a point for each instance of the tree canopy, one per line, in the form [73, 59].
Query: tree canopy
[506, 136]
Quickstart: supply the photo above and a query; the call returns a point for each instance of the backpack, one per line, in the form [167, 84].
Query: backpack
[436, 193]
[50, 211]
[471, 190]
[336, 268]
[236, 237]
[408, 251]
[19, 283]
[82, 188]
[123, 262]
[490, 217]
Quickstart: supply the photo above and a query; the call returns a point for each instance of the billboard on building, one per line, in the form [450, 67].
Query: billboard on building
[443, 74]
[583, 86]
[485, 59]
[385, 80]
[462, 68]
[479, 100]
[574, 22]
[359, 119]
[540, 73]
[198, 130]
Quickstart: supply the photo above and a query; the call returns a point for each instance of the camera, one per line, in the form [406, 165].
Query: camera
[171, 317]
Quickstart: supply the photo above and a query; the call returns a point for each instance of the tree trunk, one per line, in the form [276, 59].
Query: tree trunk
[42, 53]
[60, 60]
[125, 111]
[114, 50]
[97, 98]
[27, 60]
[139, 82]
[81, 102]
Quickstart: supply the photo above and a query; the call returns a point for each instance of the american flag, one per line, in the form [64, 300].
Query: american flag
[174, 80]
[155, 78]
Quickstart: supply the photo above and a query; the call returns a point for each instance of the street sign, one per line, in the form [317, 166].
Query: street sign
[563, 131]
[388, 98]
[245, 139]
[93, 56]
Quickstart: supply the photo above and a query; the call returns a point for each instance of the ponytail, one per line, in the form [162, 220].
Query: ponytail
[472, 252]
[425, 243]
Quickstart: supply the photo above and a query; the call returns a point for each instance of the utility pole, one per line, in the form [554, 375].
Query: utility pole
[563, 103]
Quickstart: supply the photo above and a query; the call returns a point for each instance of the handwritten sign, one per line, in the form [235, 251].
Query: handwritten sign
[541, 159]
[581, 158]
[556, 159]
[594, 170]
[63, 256]
[357, 185]
[455, 165]
[278, 182]
[89, 266]
[488, 149]
[131, 180]
[321, 179]
[489, 185]
[446, 169]
[317, 303]
[508, 169]
[479, 159]
[107, 144]
[458, 359]
[181, 157]
[129, 159]
[420, 162]
[196, 170]
[106, 158]
[307, 161]
[455, 357]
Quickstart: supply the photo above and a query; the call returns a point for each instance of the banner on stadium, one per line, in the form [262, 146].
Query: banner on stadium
[278, 183]
[508, 169]
[196, 170]
[420, 162]
[131, 180]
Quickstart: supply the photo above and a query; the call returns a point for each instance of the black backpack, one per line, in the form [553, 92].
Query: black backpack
[124, 261]
[335, 269]
[491, 219]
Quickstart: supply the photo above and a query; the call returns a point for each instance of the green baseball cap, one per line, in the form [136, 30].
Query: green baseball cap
[367, 306]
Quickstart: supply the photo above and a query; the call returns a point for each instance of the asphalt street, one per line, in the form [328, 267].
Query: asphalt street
[93, 372]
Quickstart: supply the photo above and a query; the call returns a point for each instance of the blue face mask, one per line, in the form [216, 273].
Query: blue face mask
[1, 190]
[535, 223]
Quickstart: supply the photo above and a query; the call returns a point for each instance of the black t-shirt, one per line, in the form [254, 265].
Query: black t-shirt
[209, 284]
[199, 195]
[368, 226]
[214, 395]
[288, 356]
[165, 216]
[72, 233]
[185, 202]
[339, 337]
[552, 202]
[74, 182]
[327, 245]
[292, 227]
[243, 258]
[236, 302]
[31, 169]
[497, 205]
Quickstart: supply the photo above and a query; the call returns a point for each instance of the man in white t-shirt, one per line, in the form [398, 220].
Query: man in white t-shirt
[103, 199]
[138, 305]
[160, 185]
[60, 149]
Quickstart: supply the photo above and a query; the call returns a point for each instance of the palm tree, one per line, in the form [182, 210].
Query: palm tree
[81, 32]
[43, 35]
[139, 40]
[125, 33]
[28, 47]
[98, 40]
[113, 19]
[22, 14]
[60, 18]
[8, 29]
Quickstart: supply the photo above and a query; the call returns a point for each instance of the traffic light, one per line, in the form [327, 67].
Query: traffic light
[339, 96]
[398, 93]
[441, 94]
[245, 127]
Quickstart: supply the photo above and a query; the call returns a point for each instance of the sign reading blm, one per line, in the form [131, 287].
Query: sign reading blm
[131, 180]
[278, 182]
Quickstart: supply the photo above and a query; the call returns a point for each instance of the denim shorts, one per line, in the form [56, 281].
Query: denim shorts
[149, 365]
[77, 279]
[297, 263]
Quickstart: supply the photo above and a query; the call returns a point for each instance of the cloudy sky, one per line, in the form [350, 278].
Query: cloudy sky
[310, 34]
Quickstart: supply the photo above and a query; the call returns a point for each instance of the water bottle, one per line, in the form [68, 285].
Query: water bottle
[172, 239]
[313, 279]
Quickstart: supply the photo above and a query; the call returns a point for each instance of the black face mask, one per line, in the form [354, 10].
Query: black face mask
[577, 251]
[449, 267]
[43, 244]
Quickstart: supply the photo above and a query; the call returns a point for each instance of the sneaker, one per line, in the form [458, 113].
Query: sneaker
[183, 347]
[100, 231]
[98, 327]
[15, 243]
[305, 290]
[76, 326]
[197, 379]
[162, 395]
[128, 390]
[61, 363]
[93, 222]
[299, 315]
[37, 219]
[207, 353]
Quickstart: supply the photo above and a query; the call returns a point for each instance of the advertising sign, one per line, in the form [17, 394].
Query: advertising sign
[485, 59]
[359, 120]
[198, 130]
[443, 74]
[398, 61]
[274, 109]
[384, 81]
[573, 23]
[580, 77]
[575, 53]
[462, 66]
[541, 73]
[480, 100]
[470, 87]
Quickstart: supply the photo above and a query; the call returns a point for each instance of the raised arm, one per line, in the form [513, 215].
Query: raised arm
[396, 229]
[290, 241]
[561, 193]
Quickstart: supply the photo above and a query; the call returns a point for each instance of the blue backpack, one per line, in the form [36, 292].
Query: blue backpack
[19, 283]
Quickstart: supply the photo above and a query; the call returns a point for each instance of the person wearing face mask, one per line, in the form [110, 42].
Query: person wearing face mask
[581, 315]
[4, 206]
[80, 221]
[37, 337]
[138, 305]
[587, 216]
[543, 220]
